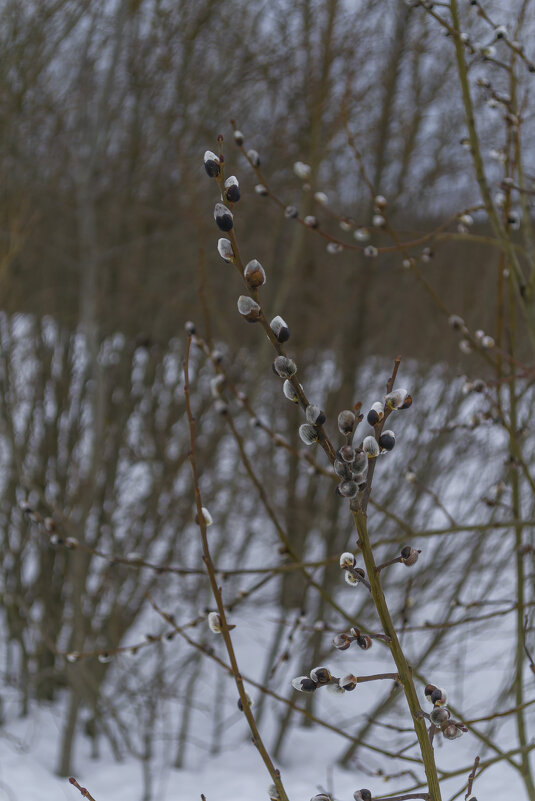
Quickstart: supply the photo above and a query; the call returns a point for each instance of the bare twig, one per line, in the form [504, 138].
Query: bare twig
[83, 790]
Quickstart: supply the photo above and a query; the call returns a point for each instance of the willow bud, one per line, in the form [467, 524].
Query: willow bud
[290, 392]
[232, 189]
[354, 576]
[395, 399]
[387, 440]
[376, 413]
[439, 697]
[304, 684]
[211, 164]
[370, 446]
[348, 489]
[348, 683]
[291, 212]
[190, 328]
[347, 453]
[248, 308]
[409, 556]
[238, 138]
[308, 434]
[261, 190]
[398, 399]
[342, 469]
[104, 657]
[465, 346]
[346, 422]
[334, 247]
[436, 695]
[315, 415]
[217, 384]
[364, 642]
[207, 517]
[223, 217]
[72, 656]
[214, 621]
[361, 234]
[284, 367]
[362, 795]
[452, 731]
[254, 158]
[456, 322]
[280, 329]
[254, 274]
[321, 675]
[321, 197]
[439, 715]
[360, 464]
[347, 559]
[342, 642]
[225, 249]
[311, 221]
[303, 171]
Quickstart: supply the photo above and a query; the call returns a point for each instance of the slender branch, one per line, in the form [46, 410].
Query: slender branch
[471, 777]
[404, 669]
[216, 591]
[83, 790]
[406, 797]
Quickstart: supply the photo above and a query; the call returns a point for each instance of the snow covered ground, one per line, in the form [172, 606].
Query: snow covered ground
[473, 668]
[29, 746]
[26, 771]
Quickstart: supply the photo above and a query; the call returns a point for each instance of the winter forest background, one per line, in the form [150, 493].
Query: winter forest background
[108, 669]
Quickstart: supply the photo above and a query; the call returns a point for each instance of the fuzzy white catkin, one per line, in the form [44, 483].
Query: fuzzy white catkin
[225, 249]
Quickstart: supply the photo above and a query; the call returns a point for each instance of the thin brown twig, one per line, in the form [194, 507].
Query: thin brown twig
[216, 591]
[405, 797]
[471, 778]
[83, 790]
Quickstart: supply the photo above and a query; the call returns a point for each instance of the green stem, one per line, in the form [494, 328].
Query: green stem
[403, 667]
[520, 585]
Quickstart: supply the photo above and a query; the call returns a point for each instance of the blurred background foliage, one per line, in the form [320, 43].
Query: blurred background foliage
[107, 106]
